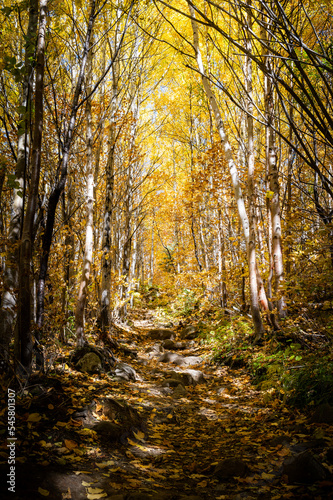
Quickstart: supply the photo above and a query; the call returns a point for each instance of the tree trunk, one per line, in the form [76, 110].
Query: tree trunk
[88, 251]
[251, 188]
[26, 251]
[63, 168]
[222, 263]
[105, 320]
[10, 278]
[257, 321]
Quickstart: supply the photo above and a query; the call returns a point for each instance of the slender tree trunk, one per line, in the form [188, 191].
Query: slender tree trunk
[289, 195]
[222, 263]
[133, 274]
[10, 278]
[88, 252]
[276, 234]
[106, 264]
[257, 321]
[26, 250]
[63, 167]
[151, 253]
[69, 256]
[251, 188]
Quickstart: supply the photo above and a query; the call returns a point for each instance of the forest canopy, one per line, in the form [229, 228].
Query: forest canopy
[166, 260]
[175, 148]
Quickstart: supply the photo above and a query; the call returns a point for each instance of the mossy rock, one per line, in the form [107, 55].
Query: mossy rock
[89, 363]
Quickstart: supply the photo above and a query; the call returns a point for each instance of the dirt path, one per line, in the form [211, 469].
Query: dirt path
[204, 433]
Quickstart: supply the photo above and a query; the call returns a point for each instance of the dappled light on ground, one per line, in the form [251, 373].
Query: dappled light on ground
[163, 435]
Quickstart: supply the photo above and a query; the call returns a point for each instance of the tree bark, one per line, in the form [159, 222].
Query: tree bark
[255, 311]
[26, 251]
[63, 168]
[10, 278]
[106, 264]
[273, 199]
[89, 240]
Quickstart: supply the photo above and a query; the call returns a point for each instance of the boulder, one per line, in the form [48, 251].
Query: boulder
[155, 350]
[186, 377]
[126, 372]
[161, 334]
[108, 430]
[171, 382]
[89, 363]
[172, 357]
[179, 392]
[304, 468]
[192, 360]
[229, 468]
[122, 419]
[323, 414]
[189, 332]
[171, 344]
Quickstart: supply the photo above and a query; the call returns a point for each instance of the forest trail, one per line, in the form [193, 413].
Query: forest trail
[194, 430]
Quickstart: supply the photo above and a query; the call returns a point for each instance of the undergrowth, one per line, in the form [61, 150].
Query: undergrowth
[300, 374]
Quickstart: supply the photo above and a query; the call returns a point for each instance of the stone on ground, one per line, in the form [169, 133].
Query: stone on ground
[229, 468]
[161, 334]
[89, 363]
[304, 468]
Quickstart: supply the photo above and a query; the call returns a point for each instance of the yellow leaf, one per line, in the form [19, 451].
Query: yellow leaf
[84, 483]
[70, 444]
[135, 483]
[45, 493]
[95, 490]
[61, 424]
[203, 484]
[96, 496]
[34, 417]
[67, 495]
[116, 486]
[78, 472]
[169, 416]
[102, 465]
[139, 435]
[50, 407]
[264, 475]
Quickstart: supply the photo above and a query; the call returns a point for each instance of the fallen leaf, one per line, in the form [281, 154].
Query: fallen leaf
[116, 486]
[67, 495]
[264, 475]
[95, 490]
[45, 493]
[96, 496]
[70, 444]
[34, 417]
[102, 465]
[139, 435]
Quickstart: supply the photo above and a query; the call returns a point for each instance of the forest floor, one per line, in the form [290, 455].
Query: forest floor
[210, 434]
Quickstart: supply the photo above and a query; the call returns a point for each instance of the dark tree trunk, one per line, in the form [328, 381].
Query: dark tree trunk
[26, 251]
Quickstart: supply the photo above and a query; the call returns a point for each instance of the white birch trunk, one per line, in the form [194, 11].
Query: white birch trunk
[257, 321]
[89, 240]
